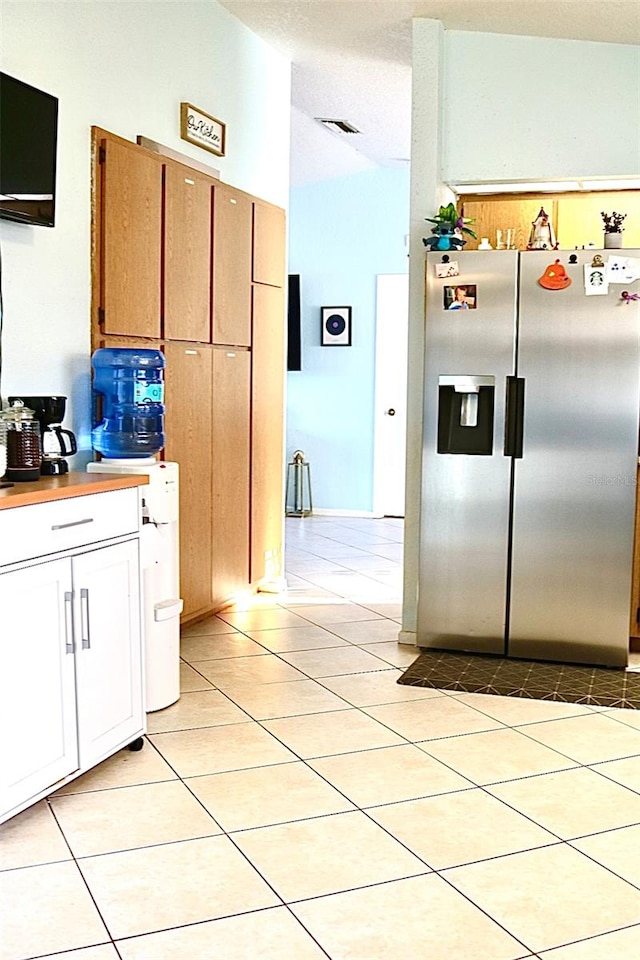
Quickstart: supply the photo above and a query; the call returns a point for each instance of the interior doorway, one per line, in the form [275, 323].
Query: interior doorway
[390, 419]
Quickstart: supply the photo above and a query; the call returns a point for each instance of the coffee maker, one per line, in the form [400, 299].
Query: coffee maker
[56, 442]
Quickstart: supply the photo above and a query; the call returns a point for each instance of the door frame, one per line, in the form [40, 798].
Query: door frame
[384, 318]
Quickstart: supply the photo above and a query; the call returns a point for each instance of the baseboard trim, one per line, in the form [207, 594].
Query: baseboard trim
[368, 514]
[275, 585]
[408, 636]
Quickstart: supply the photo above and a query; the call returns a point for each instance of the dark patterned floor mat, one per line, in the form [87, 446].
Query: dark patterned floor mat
[479, 673]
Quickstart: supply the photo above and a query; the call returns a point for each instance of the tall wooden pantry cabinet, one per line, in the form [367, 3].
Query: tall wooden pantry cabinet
[196, 268]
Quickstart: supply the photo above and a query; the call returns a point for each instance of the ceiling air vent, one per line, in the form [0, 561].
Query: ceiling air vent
[342, 125]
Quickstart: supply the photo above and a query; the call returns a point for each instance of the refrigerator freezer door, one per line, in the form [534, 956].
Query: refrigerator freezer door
[575, 487]
[469, 353]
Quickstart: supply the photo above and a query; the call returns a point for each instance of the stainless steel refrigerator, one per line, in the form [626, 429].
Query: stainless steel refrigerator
[530, 454]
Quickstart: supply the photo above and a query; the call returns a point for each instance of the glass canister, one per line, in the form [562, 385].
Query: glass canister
[24, 452]
[3, 448]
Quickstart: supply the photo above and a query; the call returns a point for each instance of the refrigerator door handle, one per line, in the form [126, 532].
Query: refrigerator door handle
[514, 417]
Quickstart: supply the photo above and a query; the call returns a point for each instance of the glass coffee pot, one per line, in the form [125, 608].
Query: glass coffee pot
[56, 443]
[3, 448]
[24, 453]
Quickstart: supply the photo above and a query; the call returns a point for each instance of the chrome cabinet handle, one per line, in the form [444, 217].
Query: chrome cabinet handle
[84, 619]
[74, 523]
[70, 644]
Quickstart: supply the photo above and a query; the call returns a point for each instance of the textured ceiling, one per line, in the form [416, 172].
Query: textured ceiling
[351, 60]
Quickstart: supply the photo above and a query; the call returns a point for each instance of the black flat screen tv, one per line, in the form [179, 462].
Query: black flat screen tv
[28, 139]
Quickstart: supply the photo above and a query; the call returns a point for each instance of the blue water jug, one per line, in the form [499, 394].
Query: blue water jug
[128, 407]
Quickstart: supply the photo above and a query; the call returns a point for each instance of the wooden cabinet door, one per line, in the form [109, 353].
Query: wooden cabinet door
[37, 682]
[580, 218]
[131, 211]
[269, 244]
[232, 214]
[188, 403]
[106, 592]
[517, 213]
[267, 433]
[230, 472]
[187, 254]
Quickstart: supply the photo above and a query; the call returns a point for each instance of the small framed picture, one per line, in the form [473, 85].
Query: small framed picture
[201, 128]
[461, 297]
[335, 326]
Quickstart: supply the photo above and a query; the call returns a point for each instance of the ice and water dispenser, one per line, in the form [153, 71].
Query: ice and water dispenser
[128, 432]
[465, 414]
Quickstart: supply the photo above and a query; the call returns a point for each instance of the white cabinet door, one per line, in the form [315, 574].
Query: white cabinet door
[108, 650]
[37, 684]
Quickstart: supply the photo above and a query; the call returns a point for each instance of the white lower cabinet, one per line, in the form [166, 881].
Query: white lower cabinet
[108, 655]
[71, 679]
[37, 682]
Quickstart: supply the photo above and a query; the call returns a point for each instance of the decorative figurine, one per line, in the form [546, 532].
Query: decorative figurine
[542, 236]
[448, 230]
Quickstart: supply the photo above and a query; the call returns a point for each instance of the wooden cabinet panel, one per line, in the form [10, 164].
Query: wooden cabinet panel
[187, 255]
[174, 270]
[580, 222]
[575, 217]
[132, 343]
[188, 419]
[518, 213]
[232, 215]
[269, 243]
[267, 433]
[131, 209]
[230, 472]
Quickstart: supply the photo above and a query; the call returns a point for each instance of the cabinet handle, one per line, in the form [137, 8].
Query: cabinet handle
[74, 523]
[84, 619]
[70, 645]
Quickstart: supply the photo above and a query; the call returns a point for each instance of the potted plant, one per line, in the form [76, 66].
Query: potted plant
[448, 230]
[612, 229]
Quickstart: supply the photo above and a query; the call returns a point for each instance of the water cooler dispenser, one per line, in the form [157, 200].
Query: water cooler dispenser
[159, 559]
[128, 430]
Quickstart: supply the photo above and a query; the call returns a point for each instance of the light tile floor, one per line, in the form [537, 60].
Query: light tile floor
[298, 804]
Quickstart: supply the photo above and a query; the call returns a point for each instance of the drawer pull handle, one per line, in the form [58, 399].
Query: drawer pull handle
[84, 619]
[68, 622]
[74, 523]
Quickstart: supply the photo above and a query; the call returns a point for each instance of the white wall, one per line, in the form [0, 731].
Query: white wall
[427, 193]
[125, 67]
[342, 232]
[527, 107]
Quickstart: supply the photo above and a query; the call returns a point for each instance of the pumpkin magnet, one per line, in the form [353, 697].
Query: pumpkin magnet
[555, 277]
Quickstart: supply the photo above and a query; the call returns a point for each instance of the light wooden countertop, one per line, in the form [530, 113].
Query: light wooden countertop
[70, 485]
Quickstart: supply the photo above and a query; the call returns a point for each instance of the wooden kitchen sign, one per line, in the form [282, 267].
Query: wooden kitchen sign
[202, 129]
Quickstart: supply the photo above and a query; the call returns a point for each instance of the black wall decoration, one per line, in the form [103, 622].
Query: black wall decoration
[294, 345]
[335, 326]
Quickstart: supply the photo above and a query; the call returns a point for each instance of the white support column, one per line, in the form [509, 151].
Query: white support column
[427, 193]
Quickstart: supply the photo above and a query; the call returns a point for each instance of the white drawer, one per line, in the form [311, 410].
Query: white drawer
[45, 528]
